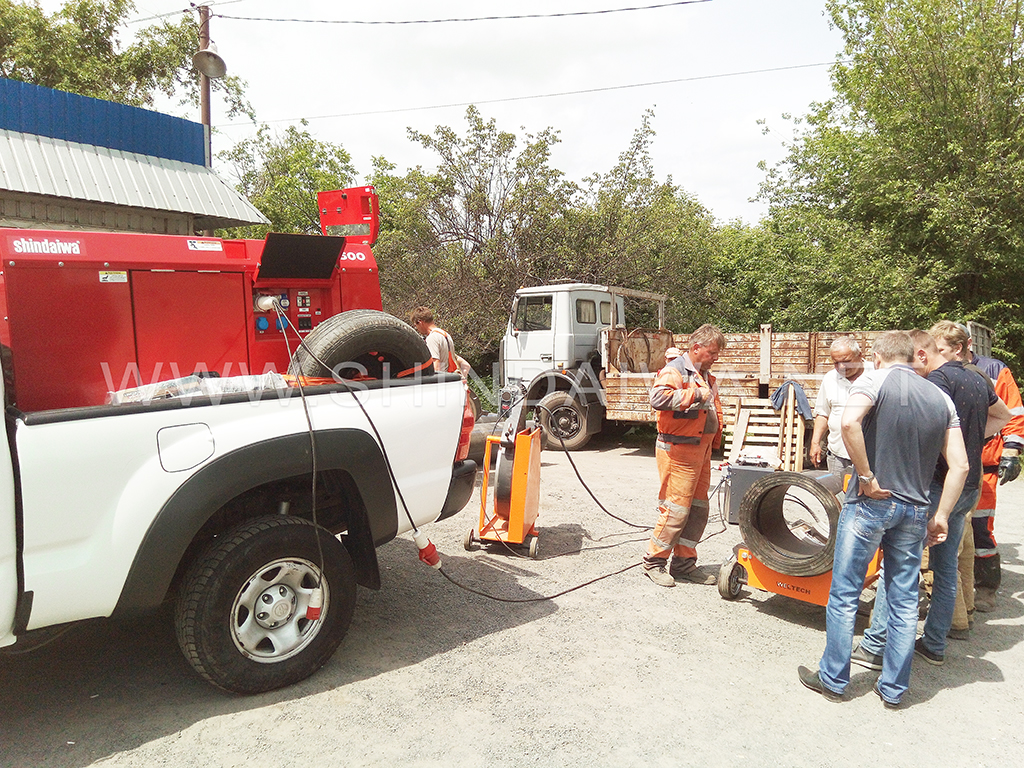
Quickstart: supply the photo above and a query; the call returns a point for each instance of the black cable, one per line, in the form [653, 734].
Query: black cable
[283, 320]
[580, 92]
[387, 461]
[455, 20]
[721, 517]
[535, 599]
[587, 487]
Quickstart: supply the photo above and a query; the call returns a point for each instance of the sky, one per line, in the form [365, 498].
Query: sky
[734, 63]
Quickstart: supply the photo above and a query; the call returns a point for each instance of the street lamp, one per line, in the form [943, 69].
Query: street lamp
[210, 66]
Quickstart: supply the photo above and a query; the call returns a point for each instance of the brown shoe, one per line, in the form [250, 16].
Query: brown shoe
[657, 571]
[688, 570]
[984, 599]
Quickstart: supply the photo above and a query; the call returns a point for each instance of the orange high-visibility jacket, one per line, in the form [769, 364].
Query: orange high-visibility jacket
[680, 418]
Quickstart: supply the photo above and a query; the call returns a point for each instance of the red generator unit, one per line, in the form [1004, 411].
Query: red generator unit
[86, 313]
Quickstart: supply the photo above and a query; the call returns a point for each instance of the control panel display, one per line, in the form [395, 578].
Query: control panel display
[303, 309]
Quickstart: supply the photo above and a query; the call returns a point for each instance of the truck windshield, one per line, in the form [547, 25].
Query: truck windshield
[533, 313]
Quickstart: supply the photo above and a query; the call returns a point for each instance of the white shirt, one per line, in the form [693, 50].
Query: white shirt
[832, 397]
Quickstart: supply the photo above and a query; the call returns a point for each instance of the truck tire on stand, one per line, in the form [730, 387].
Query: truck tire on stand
[241, 612]
[361, 341]
[561, 414]
[770, 536]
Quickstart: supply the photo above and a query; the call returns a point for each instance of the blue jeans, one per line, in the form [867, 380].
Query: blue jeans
[864, 525]
[942, 559]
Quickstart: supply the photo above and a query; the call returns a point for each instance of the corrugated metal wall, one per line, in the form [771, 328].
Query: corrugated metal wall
[41, 111]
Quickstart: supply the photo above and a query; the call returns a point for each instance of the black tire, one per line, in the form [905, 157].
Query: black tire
[560, 414]
[768, 535]
[730, 579]
[361, 341]
[226, 642]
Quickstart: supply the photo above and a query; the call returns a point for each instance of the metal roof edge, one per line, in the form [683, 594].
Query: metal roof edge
[42, 165]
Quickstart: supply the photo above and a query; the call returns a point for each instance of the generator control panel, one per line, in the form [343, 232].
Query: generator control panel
[303, 311]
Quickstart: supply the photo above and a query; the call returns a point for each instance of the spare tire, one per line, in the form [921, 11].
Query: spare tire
[774, 521]
[361, 342]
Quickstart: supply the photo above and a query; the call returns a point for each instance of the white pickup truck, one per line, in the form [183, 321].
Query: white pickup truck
[207, 501]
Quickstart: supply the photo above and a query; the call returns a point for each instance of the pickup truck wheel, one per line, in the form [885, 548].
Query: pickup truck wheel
[241, 613]
[361, 342]
[561, 415]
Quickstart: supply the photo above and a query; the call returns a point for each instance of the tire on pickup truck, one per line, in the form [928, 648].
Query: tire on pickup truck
[361, 342]
[241, 615]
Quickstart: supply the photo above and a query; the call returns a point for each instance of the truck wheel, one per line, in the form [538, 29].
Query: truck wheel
[241, 613]
[361, 342]
[562, 416]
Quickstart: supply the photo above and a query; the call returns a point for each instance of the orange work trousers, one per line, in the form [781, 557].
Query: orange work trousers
[685, 475]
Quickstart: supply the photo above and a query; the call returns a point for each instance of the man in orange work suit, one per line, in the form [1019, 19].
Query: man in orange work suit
[689, 426]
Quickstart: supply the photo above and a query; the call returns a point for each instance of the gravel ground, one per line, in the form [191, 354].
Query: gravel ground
[618, 673]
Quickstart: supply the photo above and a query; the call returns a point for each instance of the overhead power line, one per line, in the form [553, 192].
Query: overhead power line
[553, 95]
[450, 21]
[209, 3]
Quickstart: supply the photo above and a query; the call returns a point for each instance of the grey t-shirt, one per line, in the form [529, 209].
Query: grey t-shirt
[904, 431]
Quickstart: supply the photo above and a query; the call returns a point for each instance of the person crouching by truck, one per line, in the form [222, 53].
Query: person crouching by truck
[689, 426]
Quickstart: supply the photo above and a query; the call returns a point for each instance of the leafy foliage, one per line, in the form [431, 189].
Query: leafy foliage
[912, 178]
[79, 50]
[462, 239]
[281, 176]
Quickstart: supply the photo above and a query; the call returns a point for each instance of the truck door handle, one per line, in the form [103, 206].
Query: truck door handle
[545, 357]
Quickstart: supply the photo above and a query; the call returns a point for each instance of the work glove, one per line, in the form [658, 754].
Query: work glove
[1009, 468]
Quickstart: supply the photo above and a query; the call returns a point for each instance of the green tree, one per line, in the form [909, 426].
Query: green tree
[281, 176]
[79, 50]
[919, 160]
[463, 238]
[637, 232]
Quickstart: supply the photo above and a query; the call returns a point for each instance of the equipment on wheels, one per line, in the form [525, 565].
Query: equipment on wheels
[788, 522]
[137, 309]
[516, 498]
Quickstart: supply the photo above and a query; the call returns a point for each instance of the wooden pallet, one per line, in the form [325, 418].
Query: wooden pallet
[756, 425]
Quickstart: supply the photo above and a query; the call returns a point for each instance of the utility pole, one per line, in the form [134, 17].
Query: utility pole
[210, 66]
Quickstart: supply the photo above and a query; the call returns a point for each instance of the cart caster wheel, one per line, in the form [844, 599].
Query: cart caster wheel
[730, 579]
[468, 539]
[533, 547]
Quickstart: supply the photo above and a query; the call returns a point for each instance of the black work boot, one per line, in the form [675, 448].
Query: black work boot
[987, 577]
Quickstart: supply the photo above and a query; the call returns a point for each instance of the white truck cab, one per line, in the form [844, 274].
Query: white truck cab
[552, 354]
[555, 327]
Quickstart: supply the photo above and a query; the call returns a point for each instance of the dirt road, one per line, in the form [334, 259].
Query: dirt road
[618, 673]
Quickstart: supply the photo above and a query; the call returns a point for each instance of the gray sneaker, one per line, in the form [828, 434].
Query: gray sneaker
[927, 654]
[866, 659]
[658, 572]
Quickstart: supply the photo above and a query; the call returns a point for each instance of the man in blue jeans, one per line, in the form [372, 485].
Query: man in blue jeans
[981, 413]
[895, 426]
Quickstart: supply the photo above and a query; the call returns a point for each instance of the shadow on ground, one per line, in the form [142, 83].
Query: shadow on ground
[109, 686]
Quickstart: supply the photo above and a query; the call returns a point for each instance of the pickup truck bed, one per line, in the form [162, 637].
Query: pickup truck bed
[116, 509]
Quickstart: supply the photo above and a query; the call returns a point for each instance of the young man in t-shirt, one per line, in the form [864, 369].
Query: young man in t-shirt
[438, 341]
[895, 426]
[980, 413]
